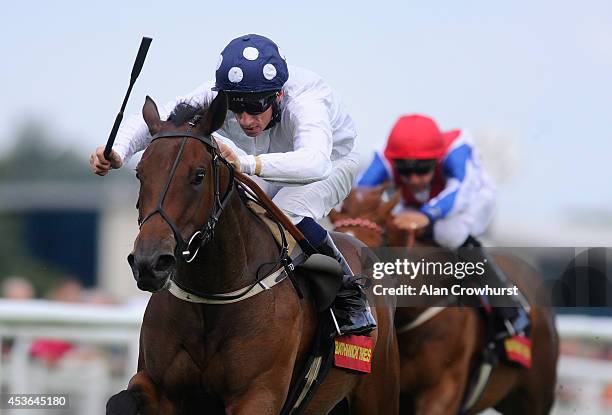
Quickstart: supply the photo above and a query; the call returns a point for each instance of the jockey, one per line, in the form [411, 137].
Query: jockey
[291, 133]
[445, 191]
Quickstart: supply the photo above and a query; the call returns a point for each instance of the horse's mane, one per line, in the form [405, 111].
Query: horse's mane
[184, 112]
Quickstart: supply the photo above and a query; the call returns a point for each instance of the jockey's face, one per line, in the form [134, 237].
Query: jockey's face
[417, 174]
[418, 182]
[253, 125]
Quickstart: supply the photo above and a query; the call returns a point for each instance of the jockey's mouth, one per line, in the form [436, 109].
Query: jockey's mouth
[252, 131]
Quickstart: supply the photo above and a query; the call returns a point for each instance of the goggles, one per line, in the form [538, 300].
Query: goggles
[409, 167]
[253, 104]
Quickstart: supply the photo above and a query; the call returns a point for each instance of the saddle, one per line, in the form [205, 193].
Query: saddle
[322, 273]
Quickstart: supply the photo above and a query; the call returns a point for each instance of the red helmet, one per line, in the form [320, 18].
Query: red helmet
[415, 137]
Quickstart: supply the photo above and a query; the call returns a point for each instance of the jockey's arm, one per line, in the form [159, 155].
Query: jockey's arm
[376, 173]
[461, 183]
[310, 161]
[134, 136]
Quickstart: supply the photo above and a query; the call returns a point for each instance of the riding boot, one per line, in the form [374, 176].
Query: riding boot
[350, 307]
[514, 315]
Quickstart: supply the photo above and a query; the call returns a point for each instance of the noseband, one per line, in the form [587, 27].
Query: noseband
[201, 237]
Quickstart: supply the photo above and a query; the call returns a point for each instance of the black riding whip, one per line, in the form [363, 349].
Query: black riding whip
[140, 58]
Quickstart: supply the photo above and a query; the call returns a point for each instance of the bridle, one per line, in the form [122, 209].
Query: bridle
[201, 237]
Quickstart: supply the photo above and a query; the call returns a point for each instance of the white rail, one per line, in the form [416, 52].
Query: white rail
[88, 381]
[91, 384]
[584, 381]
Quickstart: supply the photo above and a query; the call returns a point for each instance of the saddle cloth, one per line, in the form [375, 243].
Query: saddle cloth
[292, 246]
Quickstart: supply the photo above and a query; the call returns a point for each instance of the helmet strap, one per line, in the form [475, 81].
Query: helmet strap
[276, 115]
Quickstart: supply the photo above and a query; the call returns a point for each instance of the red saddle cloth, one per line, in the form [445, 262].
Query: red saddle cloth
[518, 350]
[353, 353]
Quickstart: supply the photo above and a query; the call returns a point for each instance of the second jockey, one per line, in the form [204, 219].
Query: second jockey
[444, 190]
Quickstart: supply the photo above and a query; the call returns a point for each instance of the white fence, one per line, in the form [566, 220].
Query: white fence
[584, 383]
[100, 334]
[106, 339]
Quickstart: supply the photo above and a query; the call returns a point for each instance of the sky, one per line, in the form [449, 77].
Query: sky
[531, 79]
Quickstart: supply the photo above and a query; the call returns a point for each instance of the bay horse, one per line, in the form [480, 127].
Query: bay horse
[238, 357]
[440, 346]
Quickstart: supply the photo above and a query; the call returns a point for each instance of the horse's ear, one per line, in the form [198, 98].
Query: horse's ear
[385, 209]
[151, 115]
[215, 114]
[383, 186]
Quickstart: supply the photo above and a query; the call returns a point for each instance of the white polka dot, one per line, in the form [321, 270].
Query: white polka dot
[235, 74]
[280, 52]
[250, 53]
[219, 62]
[269, 71]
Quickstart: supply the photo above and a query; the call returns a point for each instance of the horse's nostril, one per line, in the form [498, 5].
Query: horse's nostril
[164, 263]
[130, 260]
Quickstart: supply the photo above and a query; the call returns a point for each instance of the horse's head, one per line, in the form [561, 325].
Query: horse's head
[364, 214]
[183, 184]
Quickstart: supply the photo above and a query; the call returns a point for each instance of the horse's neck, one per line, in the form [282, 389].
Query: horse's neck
[241, 244]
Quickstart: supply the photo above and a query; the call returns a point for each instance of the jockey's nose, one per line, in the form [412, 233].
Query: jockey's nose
[246, 120]
[152, 272]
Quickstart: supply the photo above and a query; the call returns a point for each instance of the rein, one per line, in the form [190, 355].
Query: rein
[201, 237]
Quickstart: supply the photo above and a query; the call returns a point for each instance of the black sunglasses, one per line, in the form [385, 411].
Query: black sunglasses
[409, 167]
[253, 104]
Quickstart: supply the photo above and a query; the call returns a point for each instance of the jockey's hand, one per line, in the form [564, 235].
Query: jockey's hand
[100, 166]
[411, 220]
[228, 154]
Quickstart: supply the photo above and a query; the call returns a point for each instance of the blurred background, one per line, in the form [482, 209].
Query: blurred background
[530, 80]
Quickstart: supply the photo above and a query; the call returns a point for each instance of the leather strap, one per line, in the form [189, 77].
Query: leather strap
[206, 139]
[234, 296]
[271, 206]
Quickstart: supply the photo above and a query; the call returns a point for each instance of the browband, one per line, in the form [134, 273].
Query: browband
[177, 134]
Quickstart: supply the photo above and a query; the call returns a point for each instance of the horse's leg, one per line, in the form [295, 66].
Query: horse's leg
[123, 403]
[436, 362]
[524, 401]
[527, 400]
[504, 379]
[445, 398]
[140, 398]
[261, 398]
[379, 394]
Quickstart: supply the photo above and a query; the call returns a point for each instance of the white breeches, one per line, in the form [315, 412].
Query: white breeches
[315, 200]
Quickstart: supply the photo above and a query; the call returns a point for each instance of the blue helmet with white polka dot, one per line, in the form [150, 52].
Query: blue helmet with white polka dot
[251, 63]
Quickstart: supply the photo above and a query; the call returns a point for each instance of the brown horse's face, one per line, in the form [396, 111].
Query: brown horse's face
[182, 198]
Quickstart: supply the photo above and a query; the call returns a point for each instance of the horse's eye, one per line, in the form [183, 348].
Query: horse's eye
[199, 176]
